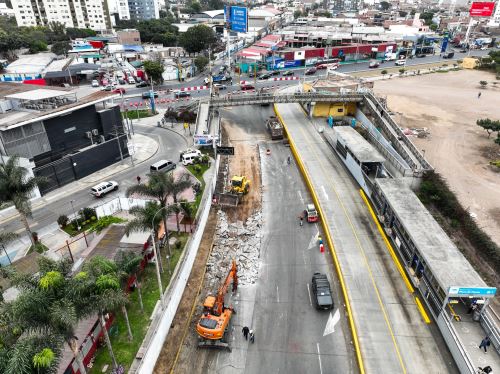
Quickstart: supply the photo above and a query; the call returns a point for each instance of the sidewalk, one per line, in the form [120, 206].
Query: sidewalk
[144, 147]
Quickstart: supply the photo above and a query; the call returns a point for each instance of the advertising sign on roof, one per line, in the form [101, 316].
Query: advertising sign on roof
[481, 9]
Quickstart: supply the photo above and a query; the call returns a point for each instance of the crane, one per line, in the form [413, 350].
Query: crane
[213, 326]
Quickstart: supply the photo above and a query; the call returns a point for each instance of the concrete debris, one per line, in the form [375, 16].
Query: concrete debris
[241, 241]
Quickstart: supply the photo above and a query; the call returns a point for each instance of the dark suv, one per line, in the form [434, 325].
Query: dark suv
[322, 292]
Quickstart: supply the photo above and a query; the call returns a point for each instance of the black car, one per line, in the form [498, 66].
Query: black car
[142, 84]
[322, 292]
[264, 76]
[275, 72]
[146, 95]
[420, 55]
[311, 71]
[121, 81]
[178, 94]
[287, 73]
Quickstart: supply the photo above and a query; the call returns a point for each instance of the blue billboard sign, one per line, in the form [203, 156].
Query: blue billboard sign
[238, 18]
[472, 291]
[444, 44]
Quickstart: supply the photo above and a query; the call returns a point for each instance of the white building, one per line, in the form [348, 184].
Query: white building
[119, 8]
[91, 14]
[6, 11]
[495, 18]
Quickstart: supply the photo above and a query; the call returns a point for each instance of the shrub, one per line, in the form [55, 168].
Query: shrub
[401, 71]
[435, 191]
[483, 84]
[178, 244]
[104, 222]
[62, 220]
[87, 213]
[197, 169]
[383, 72]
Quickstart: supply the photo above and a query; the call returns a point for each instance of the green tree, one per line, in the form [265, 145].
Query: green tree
[188, 210]
[60, 48]
[215, 4]
[154, 70]
[384, 5]
[200, 62]
[74, 33]
[6, 238]
[129, 265]
[297, 14]
[37, 46]
[175, 188]
[17, 187]
[433, 27]
[489, 125]
[101, 287]
[197, 38]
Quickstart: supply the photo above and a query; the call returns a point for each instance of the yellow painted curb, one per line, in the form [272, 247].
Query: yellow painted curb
[330, 244]
[421, 308]
[387, 243]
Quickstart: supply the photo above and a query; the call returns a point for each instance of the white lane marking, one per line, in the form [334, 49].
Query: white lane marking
[319, 359]
[277, 294]
[332, 321]
[309, 292]
[313, 242]
[20, 230]
[324, 193]
[304, 257]
[300, 197]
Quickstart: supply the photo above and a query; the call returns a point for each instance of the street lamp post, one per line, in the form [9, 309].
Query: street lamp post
[76, 217]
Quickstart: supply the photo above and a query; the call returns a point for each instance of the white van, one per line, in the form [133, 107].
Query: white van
[191, 157]
[131, 79]
[162, 165]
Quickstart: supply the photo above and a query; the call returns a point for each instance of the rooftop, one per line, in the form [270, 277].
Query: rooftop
[20, 92]
[30, 64]
[447, 264]
[360, 147]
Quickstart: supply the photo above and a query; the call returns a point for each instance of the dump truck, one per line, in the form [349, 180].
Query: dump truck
[275, 128]
[213, 327]
[240, 185]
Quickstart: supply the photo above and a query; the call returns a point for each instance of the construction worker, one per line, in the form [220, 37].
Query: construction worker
[252, 336]
[138, 179]
[245, 332]
[288, 160]
[301, 220]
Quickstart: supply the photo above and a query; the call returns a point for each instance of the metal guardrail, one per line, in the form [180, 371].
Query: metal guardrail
[270, 98]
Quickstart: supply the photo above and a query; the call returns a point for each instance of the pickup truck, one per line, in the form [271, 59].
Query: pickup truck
[218, 79]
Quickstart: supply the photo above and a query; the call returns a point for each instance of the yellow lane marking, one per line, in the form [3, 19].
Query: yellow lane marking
[420, 307]
[387, 243]
[370, 273]
[329, 240]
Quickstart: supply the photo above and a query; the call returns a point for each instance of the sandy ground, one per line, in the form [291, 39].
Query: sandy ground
[245, 162]
[447, 104]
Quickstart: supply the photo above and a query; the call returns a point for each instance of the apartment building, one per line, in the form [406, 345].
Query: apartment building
[118, 9]
[144, 9]
[93, 14]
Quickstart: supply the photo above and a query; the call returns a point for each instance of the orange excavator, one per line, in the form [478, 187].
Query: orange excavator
[213, 326]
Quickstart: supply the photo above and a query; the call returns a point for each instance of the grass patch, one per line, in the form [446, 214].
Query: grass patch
[135, 114]
[38, 247]
[198, 171]
[92, 225]
[124, 349]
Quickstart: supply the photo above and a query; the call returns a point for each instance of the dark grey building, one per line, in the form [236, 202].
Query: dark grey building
[64, 138]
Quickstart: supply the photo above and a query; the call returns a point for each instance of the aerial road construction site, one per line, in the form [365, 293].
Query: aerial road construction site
[317, 255]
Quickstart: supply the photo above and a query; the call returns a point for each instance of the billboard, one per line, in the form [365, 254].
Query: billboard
[481, 9]
[238, 18]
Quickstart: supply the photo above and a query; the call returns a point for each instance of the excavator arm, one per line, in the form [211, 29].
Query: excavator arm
[231, 277]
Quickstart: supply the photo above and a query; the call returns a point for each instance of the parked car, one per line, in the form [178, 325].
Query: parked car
[131, 79]
[119, 90]
[275, 72]
[322, 66]
[108, 88]
[287, 73]
[121, 81]
[95, 83]
[103, 188]
[264, 76]
[374, 64]
[400, 62]
[311, 71]
[142, 84]
[322, 291]
[220, 86]
[247, 87]
[179, 94]
[146, 95]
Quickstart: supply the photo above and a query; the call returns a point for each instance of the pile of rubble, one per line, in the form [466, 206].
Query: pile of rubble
[241, 241]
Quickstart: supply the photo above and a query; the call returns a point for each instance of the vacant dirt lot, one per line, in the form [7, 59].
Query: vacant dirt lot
[448, 105]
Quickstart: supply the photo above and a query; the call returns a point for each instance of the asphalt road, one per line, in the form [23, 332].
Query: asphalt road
[170, 144]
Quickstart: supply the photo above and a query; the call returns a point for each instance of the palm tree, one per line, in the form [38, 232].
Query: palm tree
[5, 238]
[175, 188]
[16, 187]
[128, 264]
[189, 210]
[106, 294]
[143, 221]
